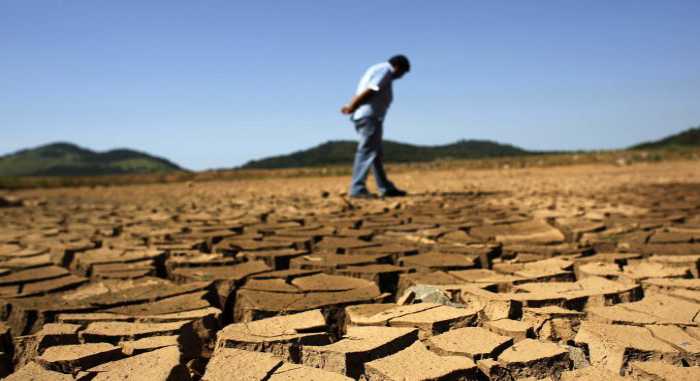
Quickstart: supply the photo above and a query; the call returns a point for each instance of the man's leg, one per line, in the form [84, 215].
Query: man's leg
[365, 154]
[383, 183]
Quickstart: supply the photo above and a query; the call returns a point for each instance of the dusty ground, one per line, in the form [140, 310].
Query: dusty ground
[574, 273]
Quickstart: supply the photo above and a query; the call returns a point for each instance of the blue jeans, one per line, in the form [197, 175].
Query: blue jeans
[369, 155]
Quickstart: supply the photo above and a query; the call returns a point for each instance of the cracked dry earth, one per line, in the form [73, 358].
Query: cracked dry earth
[575, 273]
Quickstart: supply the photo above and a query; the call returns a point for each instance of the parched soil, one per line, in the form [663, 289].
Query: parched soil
[572, 273]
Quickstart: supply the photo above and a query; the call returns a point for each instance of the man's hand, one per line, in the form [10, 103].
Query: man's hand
[356, 101]
[346, 110]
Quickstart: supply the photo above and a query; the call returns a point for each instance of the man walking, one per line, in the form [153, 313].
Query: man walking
[368, 108]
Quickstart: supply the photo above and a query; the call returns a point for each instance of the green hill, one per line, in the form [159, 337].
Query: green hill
[65, 159]
[687, 138]
[343, 152]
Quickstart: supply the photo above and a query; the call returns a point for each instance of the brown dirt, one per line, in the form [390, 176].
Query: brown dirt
[577, 272]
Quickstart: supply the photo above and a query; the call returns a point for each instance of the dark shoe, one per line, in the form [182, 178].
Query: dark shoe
[364, 195]
[394, 193]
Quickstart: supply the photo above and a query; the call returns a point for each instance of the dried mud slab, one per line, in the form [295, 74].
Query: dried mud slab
[359, 346]
[74, 358]
[592, 373]
[385, 276]
[615, 346]
[275, 259]
[117, 331]
[554, 323]
[418, 363]
[158, 365]
[474, 342]
[679, 339]
[432, 261]
[36, 372]
[516, 329]
[331, 294]
[245, 365]
[27, 348]
[103, 262]
[532, 358]
[296, 372]
[658, 371]
[429, 318]
[147, 344]
[533, 231]
[284, 336]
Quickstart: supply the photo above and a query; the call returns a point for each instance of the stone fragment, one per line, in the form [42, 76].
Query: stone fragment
[436, 278]
[426, 294]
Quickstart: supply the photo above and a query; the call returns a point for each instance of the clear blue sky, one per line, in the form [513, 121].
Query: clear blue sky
[216, 83]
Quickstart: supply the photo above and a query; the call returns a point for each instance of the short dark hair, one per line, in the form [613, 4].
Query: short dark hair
[400, 62]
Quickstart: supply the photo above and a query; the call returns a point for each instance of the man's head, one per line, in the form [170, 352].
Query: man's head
[400, 64]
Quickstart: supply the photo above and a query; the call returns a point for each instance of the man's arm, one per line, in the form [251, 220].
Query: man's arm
[356, 101]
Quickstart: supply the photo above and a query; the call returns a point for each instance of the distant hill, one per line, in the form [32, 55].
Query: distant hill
[343, 152]
[65, 159]
[687, 138]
